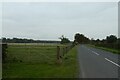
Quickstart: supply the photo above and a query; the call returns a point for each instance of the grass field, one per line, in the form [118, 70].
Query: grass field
[38, 61]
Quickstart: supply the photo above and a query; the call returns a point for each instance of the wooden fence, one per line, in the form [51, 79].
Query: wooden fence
[61, 51]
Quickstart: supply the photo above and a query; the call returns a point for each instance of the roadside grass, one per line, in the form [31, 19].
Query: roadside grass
[36, 61]
[115, 51]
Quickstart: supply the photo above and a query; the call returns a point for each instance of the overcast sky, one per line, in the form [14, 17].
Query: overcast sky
[51, 20]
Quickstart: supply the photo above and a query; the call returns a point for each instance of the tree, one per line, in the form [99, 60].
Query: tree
[77, 37]
[80, 38]
[118, 42]
[4, 40]
[92, 41]
[111, 39]
[64, 40]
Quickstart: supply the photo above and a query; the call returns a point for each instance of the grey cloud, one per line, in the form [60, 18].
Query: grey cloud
[50, 20]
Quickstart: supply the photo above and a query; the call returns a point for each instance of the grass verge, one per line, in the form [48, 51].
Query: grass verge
[115, 51]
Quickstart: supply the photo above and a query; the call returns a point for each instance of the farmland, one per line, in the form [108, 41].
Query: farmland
[39, 61]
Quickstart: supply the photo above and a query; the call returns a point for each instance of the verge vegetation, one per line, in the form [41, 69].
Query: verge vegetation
[115, 51]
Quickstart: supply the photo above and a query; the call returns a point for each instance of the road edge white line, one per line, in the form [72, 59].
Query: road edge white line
[112, 62]
[95, 53]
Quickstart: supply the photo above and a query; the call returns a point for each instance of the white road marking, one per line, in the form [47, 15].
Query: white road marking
[112, 62]
[95, 53]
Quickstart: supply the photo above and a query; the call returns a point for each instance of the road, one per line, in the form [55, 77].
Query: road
[96, 63]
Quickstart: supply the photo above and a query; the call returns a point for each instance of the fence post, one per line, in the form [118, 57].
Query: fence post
[63, 51]
[58, 50]
[59, 60]
[66, 50]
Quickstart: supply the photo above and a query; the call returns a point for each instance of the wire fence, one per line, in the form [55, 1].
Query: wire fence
[32, 51]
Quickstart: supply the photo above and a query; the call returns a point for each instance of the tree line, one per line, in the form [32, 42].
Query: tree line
[110, 41]
[20, 40]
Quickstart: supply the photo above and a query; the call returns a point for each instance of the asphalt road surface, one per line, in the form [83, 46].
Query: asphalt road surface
[96, 63]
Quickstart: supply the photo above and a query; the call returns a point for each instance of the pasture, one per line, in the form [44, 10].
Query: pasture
[39, 61]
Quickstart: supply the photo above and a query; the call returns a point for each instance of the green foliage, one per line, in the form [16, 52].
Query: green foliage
[115, 51]
[111, 39]
[110, 42]
[64, 40]
[80, 38]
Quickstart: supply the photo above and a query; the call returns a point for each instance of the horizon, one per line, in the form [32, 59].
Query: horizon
[52, 39]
